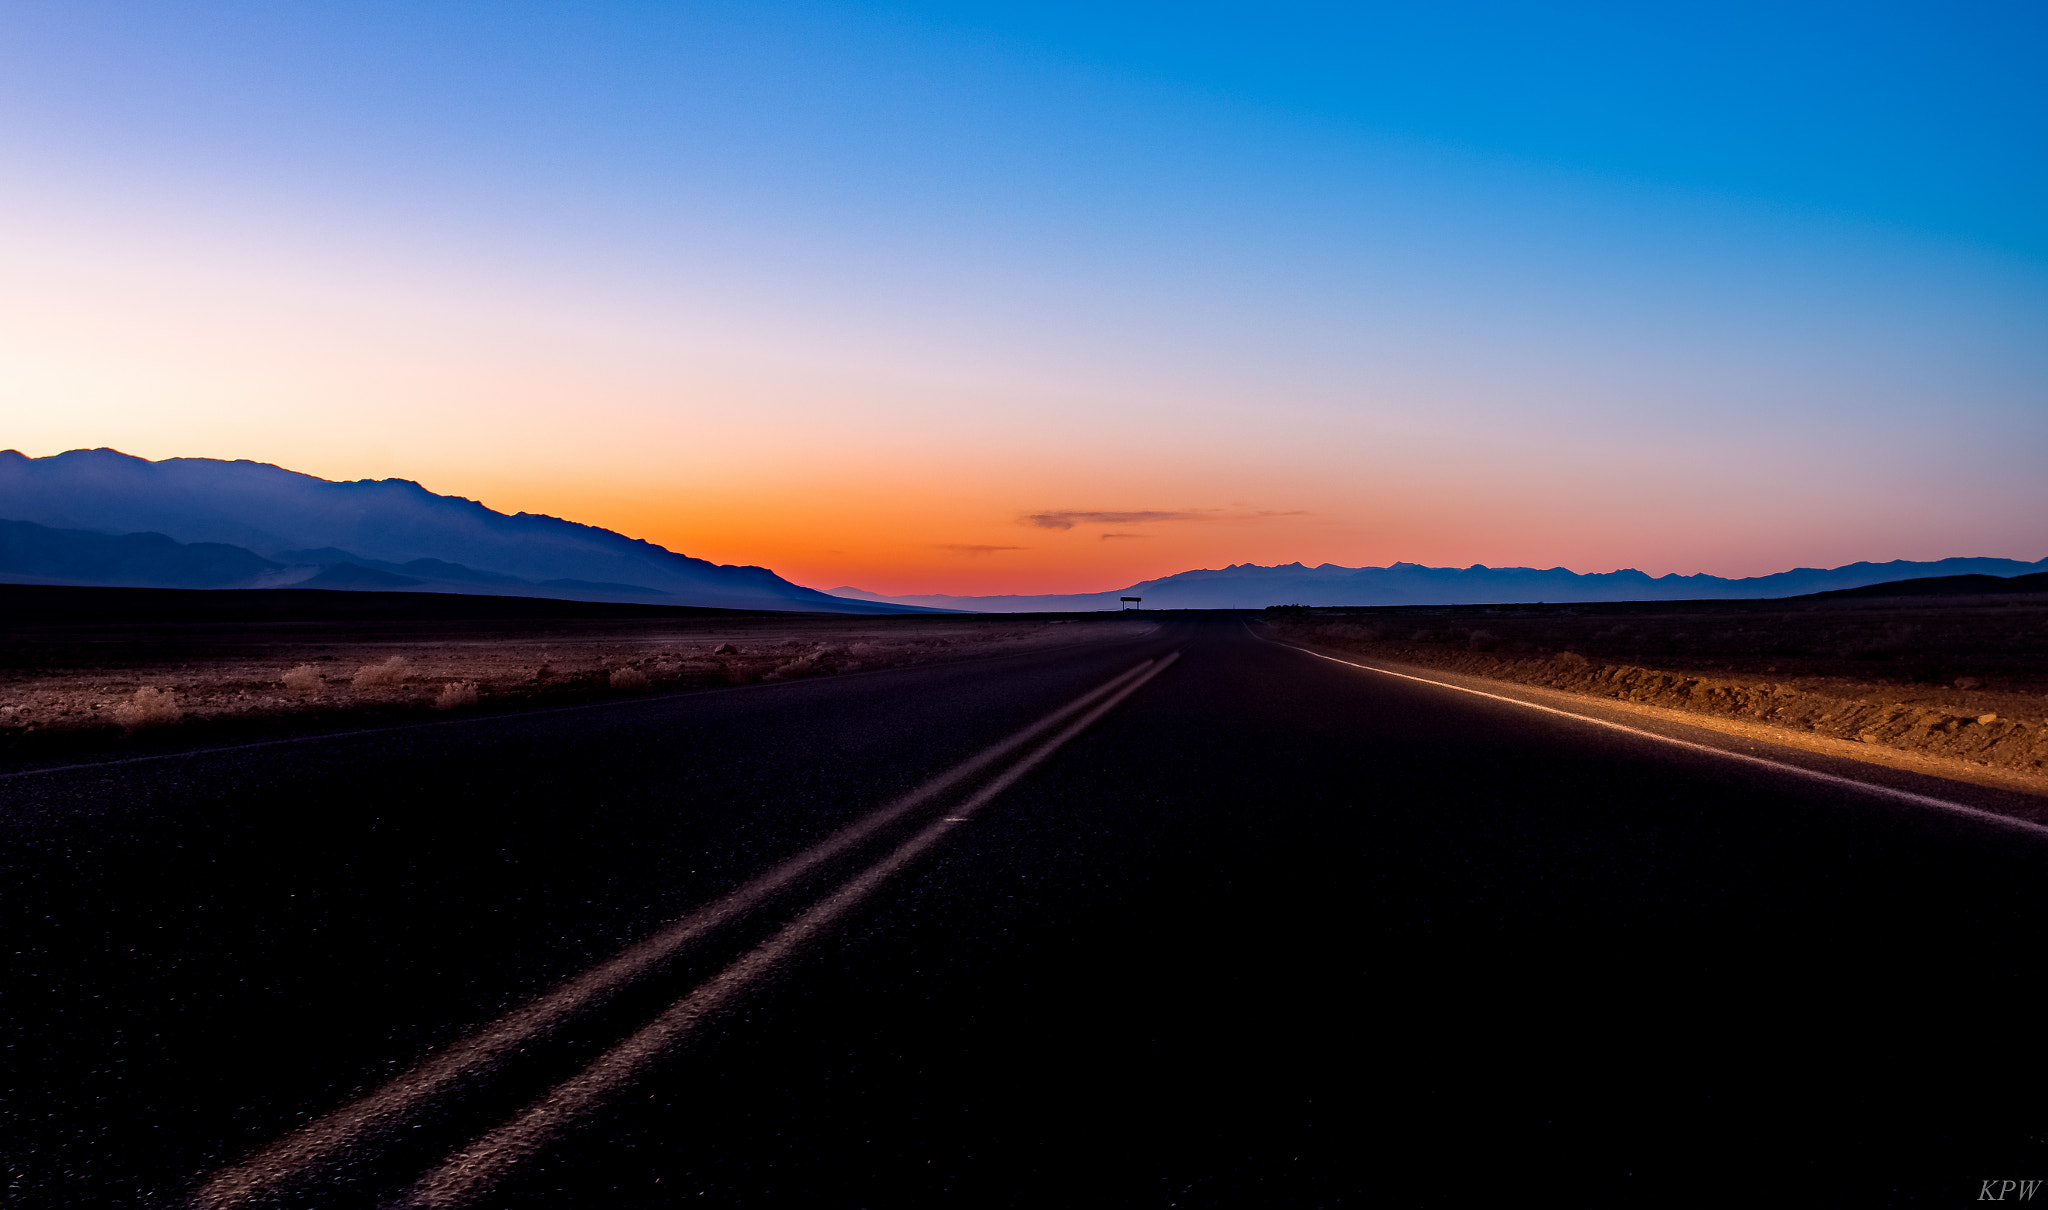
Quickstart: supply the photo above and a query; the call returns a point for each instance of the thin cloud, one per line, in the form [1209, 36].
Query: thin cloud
[1107, 537]
[1068, 518]
[962, 548]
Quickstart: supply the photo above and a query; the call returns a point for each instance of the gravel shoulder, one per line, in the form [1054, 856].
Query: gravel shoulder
[1947, 687]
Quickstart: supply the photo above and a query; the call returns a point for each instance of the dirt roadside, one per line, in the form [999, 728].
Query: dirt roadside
[72, 686]
[1872, 681]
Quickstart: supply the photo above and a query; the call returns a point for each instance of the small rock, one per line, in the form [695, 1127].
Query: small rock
[1987, 719]
[1967, 682]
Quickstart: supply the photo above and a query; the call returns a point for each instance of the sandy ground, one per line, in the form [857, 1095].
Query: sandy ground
[1957, 685]
[63, 685]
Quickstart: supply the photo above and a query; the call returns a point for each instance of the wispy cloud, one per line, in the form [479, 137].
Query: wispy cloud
[962, 548]
[1107, 537]
[1068, 518]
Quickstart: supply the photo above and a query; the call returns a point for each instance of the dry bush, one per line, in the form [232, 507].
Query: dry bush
[802, 666]
[630, 680]
[148, 708]
[391, 672]
[455, 695]
[305, 676]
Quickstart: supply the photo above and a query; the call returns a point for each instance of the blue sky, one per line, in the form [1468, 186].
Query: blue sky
[1930, 117]
[848, 289]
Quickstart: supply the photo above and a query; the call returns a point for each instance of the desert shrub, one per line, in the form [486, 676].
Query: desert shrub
[305, 676]
[391, 672]
[800, 667]
[1571, 659]
[630, 680]
[455, 695]
[1483, 640]
[148, 708]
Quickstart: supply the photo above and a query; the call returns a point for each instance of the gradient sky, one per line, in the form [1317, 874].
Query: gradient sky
[1054, 297]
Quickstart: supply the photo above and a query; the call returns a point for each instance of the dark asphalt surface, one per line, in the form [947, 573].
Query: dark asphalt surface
[1272, 932]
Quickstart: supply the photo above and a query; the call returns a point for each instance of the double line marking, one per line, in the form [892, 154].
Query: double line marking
[304, 1155]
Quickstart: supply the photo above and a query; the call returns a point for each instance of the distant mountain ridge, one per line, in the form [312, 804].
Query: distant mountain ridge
[38, 554]
[105, 517]
[1251, 586]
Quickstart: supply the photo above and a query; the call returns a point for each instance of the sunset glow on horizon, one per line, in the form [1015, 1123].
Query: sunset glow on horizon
[927, 298]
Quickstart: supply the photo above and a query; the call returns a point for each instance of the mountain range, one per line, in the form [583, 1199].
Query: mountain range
[102, 517]
[1251, 586]
[105, 517]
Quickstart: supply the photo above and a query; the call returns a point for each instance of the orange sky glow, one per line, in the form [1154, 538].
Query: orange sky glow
[1179, 329]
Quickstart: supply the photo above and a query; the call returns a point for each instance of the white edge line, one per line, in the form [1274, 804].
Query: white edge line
[1907, 796]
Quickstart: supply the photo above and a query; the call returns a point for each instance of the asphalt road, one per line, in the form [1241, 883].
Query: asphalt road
[1192, 920]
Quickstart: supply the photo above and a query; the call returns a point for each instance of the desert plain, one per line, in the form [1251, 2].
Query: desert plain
[92, 668]
[1952, 685]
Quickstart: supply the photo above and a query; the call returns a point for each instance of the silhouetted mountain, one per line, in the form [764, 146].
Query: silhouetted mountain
[392, 527]
[37, 554]
[1946, 586]
[1250, 586]
[426, 569]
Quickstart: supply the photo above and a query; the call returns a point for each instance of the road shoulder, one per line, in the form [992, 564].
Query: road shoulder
[2013, 794]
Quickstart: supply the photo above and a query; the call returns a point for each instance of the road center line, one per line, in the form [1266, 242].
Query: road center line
[476, 1168]
[1905, 796]
[305, 1151]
